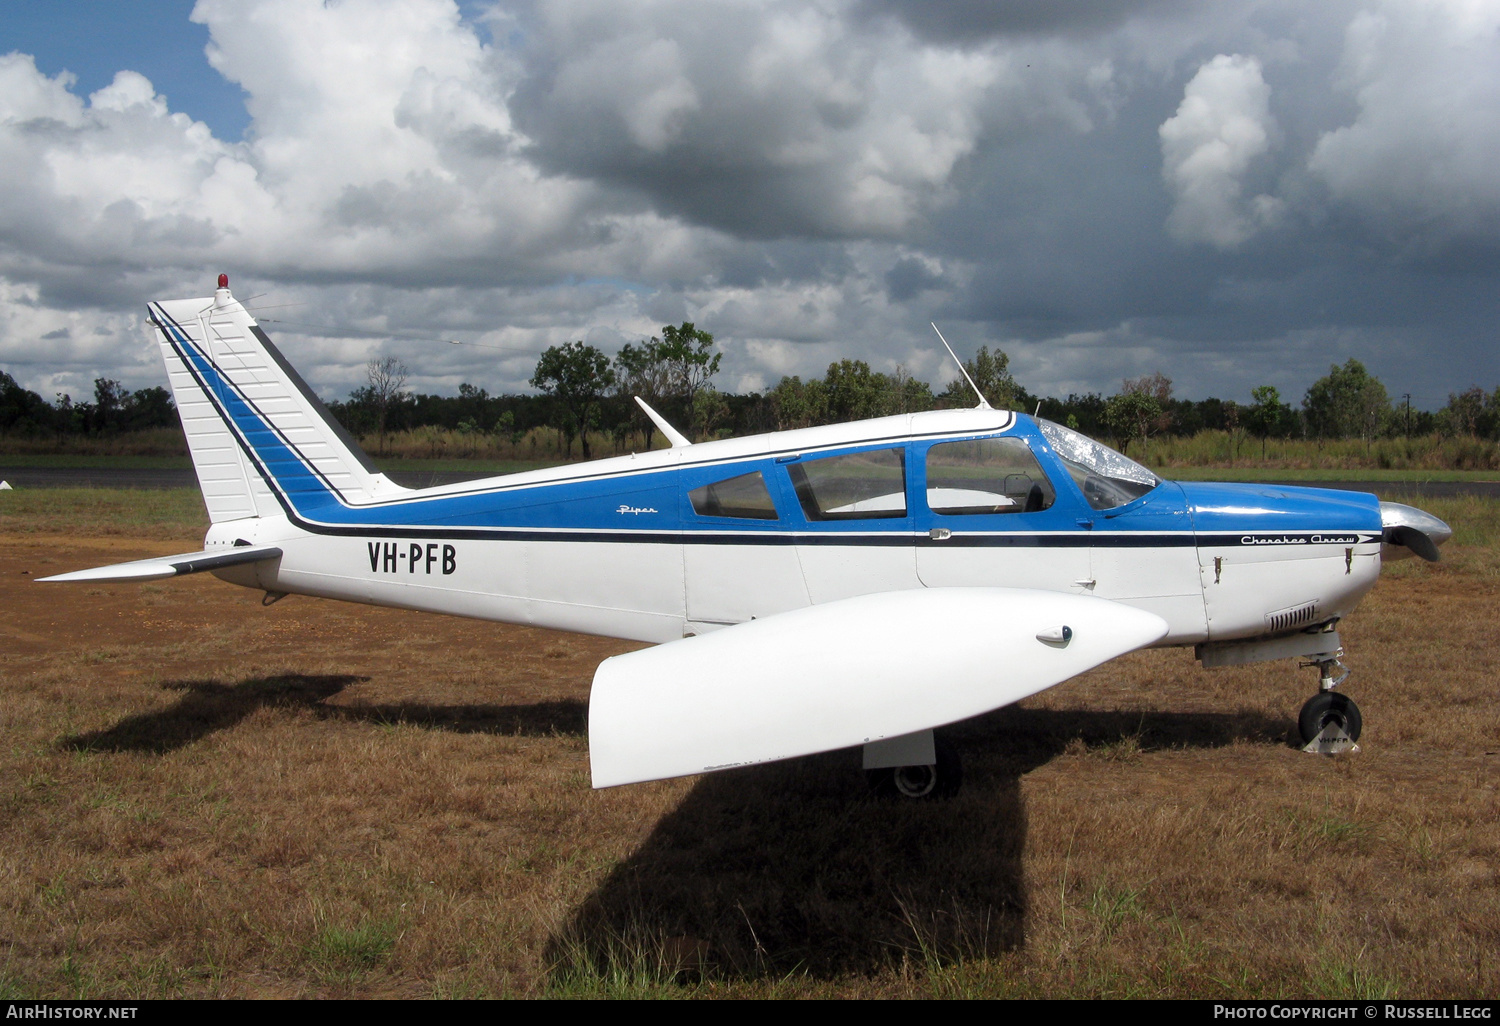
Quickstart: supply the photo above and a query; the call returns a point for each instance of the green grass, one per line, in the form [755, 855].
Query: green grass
[93, 461]
[132, 512]
[1420, 454]
[348, 951]
[1349, 978]
[97, 461]
[1414, 475]
[1111, 908]
[1206, 456]
[395, 465]
[1475, 519]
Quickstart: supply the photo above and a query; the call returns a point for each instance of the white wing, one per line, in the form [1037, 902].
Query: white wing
[843, 674]
[171, 566]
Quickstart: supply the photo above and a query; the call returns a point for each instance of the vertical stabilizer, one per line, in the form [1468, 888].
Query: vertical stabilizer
[261, 441]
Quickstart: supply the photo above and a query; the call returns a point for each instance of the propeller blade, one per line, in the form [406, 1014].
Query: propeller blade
[1408, 530]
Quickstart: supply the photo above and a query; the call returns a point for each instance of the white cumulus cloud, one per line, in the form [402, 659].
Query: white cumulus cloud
[1221, 127]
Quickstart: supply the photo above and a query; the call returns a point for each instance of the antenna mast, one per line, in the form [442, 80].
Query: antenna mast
[984, 403]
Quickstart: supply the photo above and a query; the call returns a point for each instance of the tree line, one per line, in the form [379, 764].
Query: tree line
[674, 372]
[583, 392]
[115, 410]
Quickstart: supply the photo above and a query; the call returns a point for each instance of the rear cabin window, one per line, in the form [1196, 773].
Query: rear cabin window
[858, 486]
[986, 475]
[745, 497]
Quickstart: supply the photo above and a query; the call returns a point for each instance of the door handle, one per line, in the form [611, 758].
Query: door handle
[940, 534]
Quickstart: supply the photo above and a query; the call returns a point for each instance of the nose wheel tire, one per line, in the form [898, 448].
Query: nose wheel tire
[1325, 708]
[922, 783]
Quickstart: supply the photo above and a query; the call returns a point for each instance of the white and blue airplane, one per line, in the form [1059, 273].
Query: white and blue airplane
[851, 585]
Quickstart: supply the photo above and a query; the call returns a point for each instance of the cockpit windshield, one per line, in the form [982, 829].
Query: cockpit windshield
[1106, 478]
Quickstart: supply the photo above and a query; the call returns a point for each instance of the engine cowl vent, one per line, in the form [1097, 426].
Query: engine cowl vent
[1295, 616]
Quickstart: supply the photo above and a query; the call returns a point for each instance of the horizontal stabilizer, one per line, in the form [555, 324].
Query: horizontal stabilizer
[842, 674]
[171, 566]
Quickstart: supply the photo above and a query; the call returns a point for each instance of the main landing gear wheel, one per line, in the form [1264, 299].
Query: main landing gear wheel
[921, 782]
[1329, 708]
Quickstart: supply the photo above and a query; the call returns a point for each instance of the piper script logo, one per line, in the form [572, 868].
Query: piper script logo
[625, 508]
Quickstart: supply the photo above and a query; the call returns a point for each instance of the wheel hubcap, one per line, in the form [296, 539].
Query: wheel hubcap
[916, 781]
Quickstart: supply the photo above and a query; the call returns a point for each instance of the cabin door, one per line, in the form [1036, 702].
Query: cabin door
[854, 522]
[988, 515]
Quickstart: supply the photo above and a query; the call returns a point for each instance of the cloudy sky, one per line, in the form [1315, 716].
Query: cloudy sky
[1234, 194]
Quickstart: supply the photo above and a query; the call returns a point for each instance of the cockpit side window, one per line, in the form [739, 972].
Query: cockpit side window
[745, 497]
[1106, 478]
[855, 486]
[986, 475]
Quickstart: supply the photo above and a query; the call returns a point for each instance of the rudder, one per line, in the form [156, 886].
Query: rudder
[262, 442]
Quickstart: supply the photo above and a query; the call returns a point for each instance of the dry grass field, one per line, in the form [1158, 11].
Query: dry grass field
[202, 796]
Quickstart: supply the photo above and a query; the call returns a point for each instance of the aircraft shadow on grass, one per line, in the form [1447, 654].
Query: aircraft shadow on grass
[793, 866]
[788, 866]
[562, 717]
[208, 706]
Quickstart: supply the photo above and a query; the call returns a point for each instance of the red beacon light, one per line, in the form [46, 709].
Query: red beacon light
[223, 281]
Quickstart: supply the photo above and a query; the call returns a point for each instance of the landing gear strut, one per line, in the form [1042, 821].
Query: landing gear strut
[939, 779]
[1330, 722]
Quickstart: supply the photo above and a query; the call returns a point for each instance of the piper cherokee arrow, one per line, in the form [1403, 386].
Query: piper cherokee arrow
[850, 585]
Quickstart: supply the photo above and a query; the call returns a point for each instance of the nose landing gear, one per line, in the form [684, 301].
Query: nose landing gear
[1330, 722]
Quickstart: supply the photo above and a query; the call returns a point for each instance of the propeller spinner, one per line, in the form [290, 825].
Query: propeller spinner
[1408, 531]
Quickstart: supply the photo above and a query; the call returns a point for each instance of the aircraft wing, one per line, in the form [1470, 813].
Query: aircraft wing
[842, 674]
[171, 566]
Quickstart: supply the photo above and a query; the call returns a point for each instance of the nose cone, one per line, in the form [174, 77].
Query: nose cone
[1408, 531]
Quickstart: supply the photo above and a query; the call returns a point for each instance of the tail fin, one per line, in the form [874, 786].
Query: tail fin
[261, 441]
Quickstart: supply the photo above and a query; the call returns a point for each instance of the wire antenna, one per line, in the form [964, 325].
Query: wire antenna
[984, 404]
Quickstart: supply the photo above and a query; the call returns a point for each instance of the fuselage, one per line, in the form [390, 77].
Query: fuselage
[658, 545]
[894, 565]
